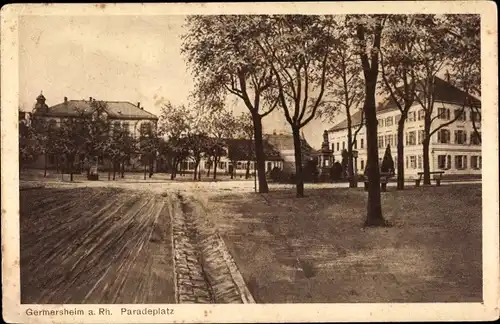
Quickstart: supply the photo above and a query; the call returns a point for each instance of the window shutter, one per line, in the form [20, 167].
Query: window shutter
[439, 136]
[448, 135]
[448, 165]
[465, 137]
[456, 136]
[465, 162]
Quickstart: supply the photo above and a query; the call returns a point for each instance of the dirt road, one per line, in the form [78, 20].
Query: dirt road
[95, 245]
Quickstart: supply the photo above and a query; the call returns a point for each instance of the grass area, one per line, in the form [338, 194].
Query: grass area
[95, 245]
[314, 249]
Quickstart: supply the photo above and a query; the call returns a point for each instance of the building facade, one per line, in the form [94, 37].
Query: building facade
[120, 114]
[454, 149]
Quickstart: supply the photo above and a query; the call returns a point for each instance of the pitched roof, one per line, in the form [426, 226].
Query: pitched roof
[115, 109]
[443, 92]
[284, 142]
[243, 150]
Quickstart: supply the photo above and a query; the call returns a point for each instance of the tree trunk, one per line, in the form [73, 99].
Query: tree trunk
[350, 163]
[247, 173]
[45, 166]
[374, 215]
[199, 173]
[259, 153]
[109, 172]
[196, 170]
[215, 167]
[209, 168]
[71, 169]
[400, 154]
[114, 170]
[299, 178]
[427, 169]
[145, 170]
[425, 150]
[123, 169]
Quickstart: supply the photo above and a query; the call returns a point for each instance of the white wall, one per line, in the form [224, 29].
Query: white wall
[415, 151]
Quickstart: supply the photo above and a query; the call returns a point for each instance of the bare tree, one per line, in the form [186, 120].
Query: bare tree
[224, 60]
[368, 34]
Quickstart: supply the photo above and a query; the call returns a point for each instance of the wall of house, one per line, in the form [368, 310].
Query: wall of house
[457, 150]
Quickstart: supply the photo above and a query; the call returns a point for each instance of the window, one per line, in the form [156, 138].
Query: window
[190, 166]
[338, 143]
[207, 165]
[362, 144]
[146, 128]
[444, 113]
[474, 116]
[126, 127]
[411, 138]
[184, 165]
[388, 140]
[475, 162]
[460, 162]
[444, 162]
[116, 125]
[421, 136]
[443, 136]
[380, 141]
[421, 114]
[411, 116]
[389, 121]
[362, 164]
[239, 166]
[460, 137]
[460, 115]
[474, 138]
[419, 162]
[343, 145]
[413, 161]
[407, 162]
[397, 118]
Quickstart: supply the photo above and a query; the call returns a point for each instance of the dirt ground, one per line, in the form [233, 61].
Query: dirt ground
[95, 245]
[314, 249]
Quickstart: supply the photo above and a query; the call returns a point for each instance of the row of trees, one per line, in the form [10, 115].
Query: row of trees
[181, 134]
[310, 66]
[196, 134]
[86, 138]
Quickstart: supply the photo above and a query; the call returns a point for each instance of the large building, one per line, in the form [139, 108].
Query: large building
[454, 149]
[120, 114]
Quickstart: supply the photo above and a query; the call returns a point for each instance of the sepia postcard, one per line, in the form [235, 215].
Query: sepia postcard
[250, 162]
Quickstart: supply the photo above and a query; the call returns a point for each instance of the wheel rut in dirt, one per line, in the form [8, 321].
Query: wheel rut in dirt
[205, 272]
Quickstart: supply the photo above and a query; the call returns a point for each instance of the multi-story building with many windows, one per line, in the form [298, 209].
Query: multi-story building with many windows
[455, 148]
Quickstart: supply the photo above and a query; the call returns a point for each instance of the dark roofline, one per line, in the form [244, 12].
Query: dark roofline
[151, 117]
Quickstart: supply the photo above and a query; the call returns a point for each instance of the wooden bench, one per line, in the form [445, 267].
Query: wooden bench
[384, 179]
[438, 175]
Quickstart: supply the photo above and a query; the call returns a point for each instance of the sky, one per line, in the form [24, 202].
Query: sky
[122, 58]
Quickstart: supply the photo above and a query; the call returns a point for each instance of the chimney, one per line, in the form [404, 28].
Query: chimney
[90, 99]
[139, 105]
[65, 99]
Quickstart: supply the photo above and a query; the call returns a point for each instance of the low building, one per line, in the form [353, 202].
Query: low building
[454, 149]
